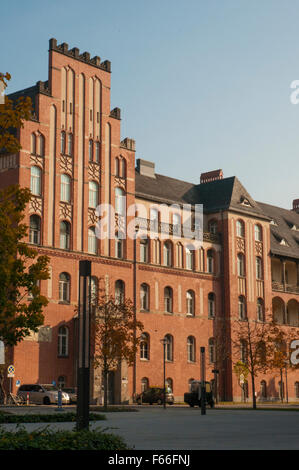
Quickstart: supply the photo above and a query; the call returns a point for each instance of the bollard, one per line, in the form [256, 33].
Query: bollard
[59, 401]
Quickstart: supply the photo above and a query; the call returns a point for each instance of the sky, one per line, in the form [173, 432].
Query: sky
[202, 84]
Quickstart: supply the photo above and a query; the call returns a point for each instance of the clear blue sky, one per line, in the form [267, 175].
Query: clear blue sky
[202, 84]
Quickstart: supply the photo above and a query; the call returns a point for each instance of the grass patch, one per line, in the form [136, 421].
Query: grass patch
[46, 439]
[60, 417]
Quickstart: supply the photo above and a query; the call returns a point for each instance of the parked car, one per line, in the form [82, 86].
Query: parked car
[72, 393]
[155, 395]
[42, 394]
[194, 396]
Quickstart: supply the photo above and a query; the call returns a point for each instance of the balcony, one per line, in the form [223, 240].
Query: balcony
[175, 230]
[287, 288]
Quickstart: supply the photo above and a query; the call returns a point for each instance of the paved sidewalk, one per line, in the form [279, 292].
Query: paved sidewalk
[186, 429]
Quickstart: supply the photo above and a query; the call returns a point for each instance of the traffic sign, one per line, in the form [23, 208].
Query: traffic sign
[11, 371]
[18, 383]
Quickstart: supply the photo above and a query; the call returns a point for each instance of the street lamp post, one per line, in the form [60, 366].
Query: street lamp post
[286, 373]
[164, 342]
[84, 345]
[135, 306]
[281, 386]
[203, 380]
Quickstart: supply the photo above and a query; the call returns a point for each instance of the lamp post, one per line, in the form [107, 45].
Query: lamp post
[84, 345]
[164, 341]
[286, 373]
[203, 380]
[281, 386]
[134, 305]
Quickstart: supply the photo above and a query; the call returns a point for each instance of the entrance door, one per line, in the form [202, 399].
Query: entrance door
[110, 388]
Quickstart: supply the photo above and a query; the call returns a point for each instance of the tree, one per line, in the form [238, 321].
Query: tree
[116, 335]
[12, 115]
[21, 270]
[254, 345]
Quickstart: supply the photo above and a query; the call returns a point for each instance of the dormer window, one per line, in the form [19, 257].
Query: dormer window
[245, 202]
[284, 242]
[272, 222]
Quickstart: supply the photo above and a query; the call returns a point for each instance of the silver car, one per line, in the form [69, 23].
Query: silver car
[42, 394]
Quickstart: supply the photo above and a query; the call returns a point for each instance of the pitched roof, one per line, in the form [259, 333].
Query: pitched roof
[222, 194]
[285, 232]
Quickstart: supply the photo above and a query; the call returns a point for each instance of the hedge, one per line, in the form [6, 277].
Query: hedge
[46, 439]
[60, 417]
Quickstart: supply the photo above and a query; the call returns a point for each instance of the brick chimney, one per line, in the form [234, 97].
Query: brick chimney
[211, 176]
[296, 205]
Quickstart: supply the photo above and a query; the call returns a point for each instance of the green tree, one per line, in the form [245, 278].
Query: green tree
[21, 270]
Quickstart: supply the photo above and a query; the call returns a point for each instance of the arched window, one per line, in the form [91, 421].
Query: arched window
[213, 227]
[61, 382]
[211, 305]
[145, 346]
[169, 385]
[123, 168]
[70, 144]
[119, 245]
[36, 181]
[262, 352]
[144, 250]
[90, 150]
[34, 229]
[168, 348]
[33, 144]
[190, 302]
[212, 350]
[260, 312]
[189, 257]
[92, 241]
[120, 202]
[241, 264]
[64, 287]
[97, 152]
[116, 166]
[259, 267]
[144, 384]
[297, 389]
[242, 308]
[167, 253]
[63, 341]
[144, 297]
[190, 385]
[65, 188]
[210, 261]
[41, 145]
[119, 292]
[62, 142]
[65, 235]
[240, 228]
[263, 386]
[179, 255]
[258, 233]
[93, 199]
[168, 300]
[94, 288]
[243, 351]
[191, 348]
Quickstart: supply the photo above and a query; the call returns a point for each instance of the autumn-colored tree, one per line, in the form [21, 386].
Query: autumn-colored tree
[254, 344]
[116, 333]
[12, 115]
[21, 270]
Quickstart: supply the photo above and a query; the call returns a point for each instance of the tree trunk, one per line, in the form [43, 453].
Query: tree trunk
[105, 389]
[253, 392]
[2, 389]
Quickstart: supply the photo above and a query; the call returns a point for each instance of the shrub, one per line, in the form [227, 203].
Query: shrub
[46, 418]
[46, 439]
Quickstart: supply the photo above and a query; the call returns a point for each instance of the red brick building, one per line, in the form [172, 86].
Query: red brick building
[73, 159]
